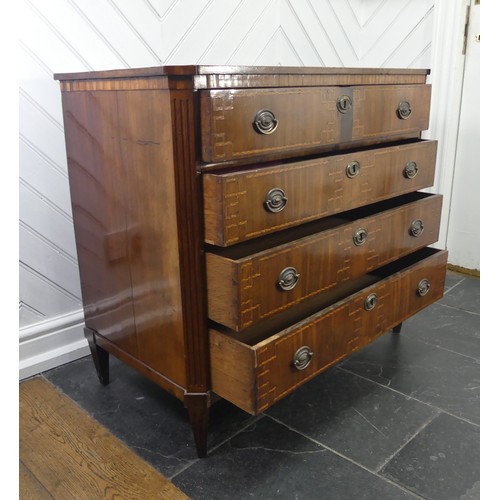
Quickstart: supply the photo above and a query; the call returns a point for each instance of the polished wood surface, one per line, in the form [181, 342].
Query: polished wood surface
[254, 376]
[242, 289]
[100, 356]
[242, 81]
[223, 77]
[234, 201]
[190, 259]
[168, 177]
[64, 453]
[127, 84]
[123, 194]
[97, 181]
[304, 153]
[307, 118]
[308, 70]
[375, 110]
[191, 264]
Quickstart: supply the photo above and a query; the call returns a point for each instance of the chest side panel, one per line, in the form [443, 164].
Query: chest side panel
[121, 171]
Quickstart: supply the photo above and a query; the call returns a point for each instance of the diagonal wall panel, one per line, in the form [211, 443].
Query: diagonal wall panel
[414, 45]
[209, 22]
[250, 45]
[142, 23]
[81, 35]
[128, 44]
[390, 40]
[161, 7]
[339, 32]
[364, 10]
[240, 23]
[301, 17]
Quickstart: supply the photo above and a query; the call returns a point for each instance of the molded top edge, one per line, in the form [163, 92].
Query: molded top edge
[232, 70]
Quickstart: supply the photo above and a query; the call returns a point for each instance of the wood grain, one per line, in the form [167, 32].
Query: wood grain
[232, 369]
[69, 455]
[325, 259]
[224, 81]
[254, 376]
[121, 173]
[190, 259]
[307, 118]
[139, 144]
[29, 486]
[241, 76]
[97, 182]
[375, 110]
[191, 264]
[234, 205]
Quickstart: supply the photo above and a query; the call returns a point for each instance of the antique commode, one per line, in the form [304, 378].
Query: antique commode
[241, 229]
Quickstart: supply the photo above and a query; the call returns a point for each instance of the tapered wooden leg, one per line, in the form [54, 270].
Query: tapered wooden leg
[198, 411]
[99, 356]
[397, 328]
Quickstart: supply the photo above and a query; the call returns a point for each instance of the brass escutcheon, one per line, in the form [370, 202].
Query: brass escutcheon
[344, 103]
[352, 169]
[288, 278]
[404, 110]
[423, 287]
[371, 301]
[302, 358]
[265, 122]
[275, 200]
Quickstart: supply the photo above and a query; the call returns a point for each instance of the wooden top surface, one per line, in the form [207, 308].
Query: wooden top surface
[233, 70]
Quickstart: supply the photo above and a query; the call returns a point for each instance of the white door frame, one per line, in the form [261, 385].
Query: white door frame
[447, 75]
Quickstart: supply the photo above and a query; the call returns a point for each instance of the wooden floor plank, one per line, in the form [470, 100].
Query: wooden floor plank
[29, 486]
[72, 456]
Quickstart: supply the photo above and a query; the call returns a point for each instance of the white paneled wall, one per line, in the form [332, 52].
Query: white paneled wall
[81, 35]
[370, 33]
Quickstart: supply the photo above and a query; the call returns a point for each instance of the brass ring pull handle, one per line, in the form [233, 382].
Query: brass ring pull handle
[371, 301]
[288, 278]
[360, 237]
[275, 200]
[411, 170]
[344, 104]
[352, 169]
[265, 122]
[302, 358]
[416, 228]
[423, 287]
[404, 110]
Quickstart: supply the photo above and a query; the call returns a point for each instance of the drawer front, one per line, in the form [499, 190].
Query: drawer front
[249, 203]
[244, 123]
[255, 376]
[385, 110]
[244, 291]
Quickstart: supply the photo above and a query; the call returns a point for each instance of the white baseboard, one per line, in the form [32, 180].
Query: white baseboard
[52, 343]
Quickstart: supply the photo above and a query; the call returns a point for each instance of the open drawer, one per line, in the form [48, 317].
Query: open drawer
[245, 203]
[253, 281]
[256, 367]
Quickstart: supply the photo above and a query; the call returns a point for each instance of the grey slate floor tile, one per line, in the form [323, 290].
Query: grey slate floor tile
[452, 279]
[447, 327]
[269, 461]
[466, 295]
[444, 379]
[441, 462]
[361, 420]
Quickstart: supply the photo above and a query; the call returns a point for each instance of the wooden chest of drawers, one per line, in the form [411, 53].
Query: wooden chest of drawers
[241, 229]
